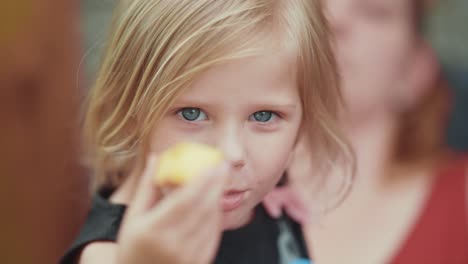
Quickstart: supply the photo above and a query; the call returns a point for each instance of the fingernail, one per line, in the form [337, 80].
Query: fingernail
[276, 212]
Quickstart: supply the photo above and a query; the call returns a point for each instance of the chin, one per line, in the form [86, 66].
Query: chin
[236, 219]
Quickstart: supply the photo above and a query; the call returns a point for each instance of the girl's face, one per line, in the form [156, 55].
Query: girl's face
[375, 40]
[251, 110]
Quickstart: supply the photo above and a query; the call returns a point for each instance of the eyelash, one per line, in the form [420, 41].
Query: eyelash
[275, 114]
[179, 113]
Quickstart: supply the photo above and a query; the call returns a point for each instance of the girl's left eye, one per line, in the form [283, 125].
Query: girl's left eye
[192, 114]
[263, 116]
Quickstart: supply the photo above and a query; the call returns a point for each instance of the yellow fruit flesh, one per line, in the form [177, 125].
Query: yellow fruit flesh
[179, 164]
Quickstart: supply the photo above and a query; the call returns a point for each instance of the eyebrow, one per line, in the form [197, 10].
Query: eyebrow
[267, 106]
[260, 105]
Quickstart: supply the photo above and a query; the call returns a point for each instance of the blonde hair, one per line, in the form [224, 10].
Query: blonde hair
[158, 47]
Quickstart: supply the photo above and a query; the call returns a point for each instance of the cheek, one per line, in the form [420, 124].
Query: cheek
[168, 133]
[269, 156]
[162, 139]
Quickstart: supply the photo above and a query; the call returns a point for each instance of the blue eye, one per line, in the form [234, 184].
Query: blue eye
[263, 116]
[192, 114]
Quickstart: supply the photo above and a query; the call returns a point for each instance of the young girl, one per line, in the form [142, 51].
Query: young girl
[246, 76]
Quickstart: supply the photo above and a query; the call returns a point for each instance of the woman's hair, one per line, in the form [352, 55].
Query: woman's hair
[422, 128]
[158, 47]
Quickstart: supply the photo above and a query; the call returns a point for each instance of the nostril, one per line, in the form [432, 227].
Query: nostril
[236, 164]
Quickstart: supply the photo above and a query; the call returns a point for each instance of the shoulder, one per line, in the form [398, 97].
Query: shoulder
[101, 225]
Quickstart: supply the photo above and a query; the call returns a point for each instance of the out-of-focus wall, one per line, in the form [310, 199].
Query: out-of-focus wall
[43, 191]
[446, 29]
[96, 16]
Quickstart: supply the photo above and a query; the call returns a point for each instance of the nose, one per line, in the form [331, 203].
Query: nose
[232, 145]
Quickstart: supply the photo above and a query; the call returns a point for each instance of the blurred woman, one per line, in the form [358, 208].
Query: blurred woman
[409, 200]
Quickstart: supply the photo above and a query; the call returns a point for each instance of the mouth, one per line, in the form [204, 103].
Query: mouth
[232, 199]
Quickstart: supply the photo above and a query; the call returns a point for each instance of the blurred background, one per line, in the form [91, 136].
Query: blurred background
[445, 28]
[447, 31]
[42, 188]
[49, 53]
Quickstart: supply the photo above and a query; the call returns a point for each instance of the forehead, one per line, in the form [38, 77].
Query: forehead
[396, 5]
[268, 66]
[268, 73]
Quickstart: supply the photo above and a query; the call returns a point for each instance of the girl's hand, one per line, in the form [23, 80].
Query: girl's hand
[184, 227]
[285, 198]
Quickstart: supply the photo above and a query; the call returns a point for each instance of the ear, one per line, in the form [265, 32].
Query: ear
[423, 72]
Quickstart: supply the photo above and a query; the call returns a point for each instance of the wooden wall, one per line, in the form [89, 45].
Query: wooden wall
[43, 192]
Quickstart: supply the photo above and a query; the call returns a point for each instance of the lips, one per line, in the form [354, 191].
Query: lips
[232, 199]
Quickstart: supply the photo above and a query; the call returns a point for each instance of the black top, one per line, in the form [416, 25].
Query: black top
[263, 241]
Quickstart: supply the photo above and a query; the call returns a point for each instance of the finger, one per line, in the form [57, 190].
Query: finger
[206, 217]
[206, 223]
[213, 191]
[147, 194]
[272, 204]
[206, 241]
[209, 205]
[204, 232]
[206, 187]
[186, 202]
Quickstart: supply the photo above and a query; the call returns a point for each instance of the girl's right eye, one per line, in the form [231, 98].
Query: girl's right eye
[192, 114]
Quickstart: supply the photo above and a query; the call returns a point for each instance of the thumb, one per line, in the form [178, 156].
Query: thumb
[146, 194]
[272, 203]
